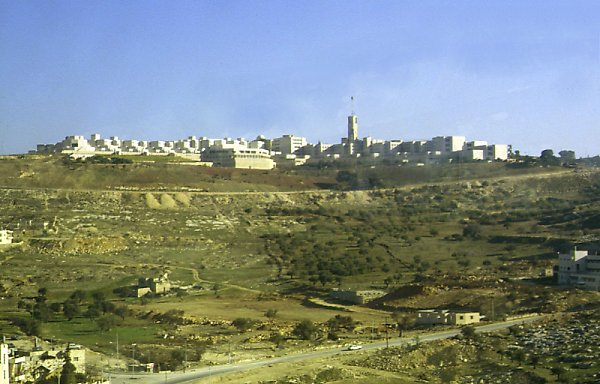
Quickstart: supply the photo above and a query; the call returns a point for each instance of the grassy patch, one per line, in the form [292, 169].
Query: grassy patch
[85, 332]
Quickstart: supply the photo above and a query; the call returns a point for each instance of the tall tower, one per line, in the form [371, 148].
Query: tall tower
[352, 128]
[352, 138]
[352, 124]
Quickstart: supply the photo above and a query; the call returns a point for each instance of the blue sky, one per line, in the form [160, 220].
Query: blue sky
[525, 73]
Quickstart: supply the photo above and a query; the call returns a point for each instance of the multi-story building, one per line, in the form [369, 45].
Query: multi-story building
[446, 144]
[46, 148]
[238, 158]
[497, 152]
[476, 144]
[76, 144]
[580, 269]
[415, 146]
[288, 144]
[132, 146]
[472, 154]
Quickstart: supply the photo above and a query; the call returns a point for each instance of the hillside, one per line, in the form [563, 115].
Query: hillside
[250, 242]
[151, 173]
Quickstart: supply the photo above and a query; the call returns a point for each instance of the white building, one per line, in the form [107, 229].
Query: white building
[580, 269]
[446, 317]
[288, 144]
[4, 367]
[76, 144]
[6, 236]
[158, 146]
[246, 158]
[476, 144]
[472, 154]
[497, 152]
[131, 146]
[446, 144]
[415, 146]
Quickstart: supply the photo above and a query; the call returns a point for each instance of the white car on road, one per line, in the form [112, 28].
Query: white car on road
[354, 347]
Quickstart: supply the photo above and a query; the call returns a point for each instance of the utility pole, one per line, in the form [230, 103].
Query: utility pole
[133, 357]
[387, 336]
[387, 333]
[185, 357]
[229, 344]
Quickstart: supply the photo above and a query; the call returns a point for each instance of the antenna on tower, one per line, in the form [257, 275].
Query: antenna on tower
[352, 105]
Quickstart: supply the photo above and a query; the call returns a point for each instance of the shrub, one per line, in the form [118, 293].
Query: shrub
[472, 230]
[305, 330]
[468, 331]
[31, 327]
[271, 313]
[243, 323]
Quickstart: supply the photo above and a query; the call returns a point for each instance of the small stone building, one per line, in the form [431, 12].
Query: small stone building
[446, 317]
[356, 297]
[156, 285]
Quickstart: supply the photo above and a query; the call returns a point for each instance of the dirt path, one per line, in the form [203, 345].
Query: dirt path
[198, 279]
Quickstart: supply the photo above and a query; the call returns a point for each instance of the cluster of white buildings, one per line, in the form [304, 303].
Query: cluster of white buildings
[580, 269]
[17, 366]
[436, 150]
[287, 150]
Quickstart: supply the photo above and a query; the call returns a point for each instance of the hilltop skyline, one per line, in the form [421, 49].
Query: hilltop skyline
[526, 74]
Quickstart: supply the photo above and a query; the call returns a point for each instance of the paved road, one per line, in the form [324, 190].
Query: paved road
[197, 374]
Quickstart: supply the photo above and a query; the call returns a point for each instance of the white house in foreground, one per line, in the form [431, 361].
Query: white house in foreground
[6, 236]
